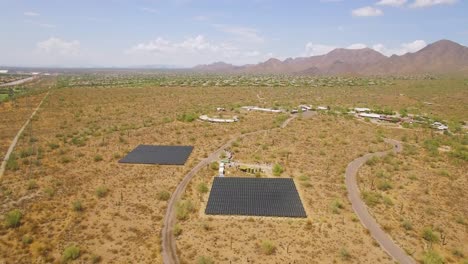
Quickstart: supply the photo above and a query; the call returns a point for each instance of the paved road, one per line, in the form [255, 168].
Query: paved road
[15, 140]
[360, 207]
[17, 82]
[169, 249]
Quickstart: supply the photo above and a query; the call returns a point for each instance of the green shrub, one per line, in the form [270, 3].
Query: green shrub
[13, 219]
[187, 117]
[336, 205]
[177, 230]
[202, 188]
[406, 224]
[164, 195]
[101, 191]
[77, 206]
[32, 185]
[268, 247]
[27, 239]
[371, 198]
[183, 208]
[214, 165]
[71, 253]
[384, 185]
[432, 257]
[204, 260]
[53, 146]
[49, 191]
[277, 169]
[344, 254]
[429, 235]
[97, 158]
[12, 163]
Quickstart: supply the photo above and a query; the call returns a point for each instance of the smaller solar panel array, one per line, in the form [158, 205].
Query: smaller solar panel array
[162, 155]
[254, 197]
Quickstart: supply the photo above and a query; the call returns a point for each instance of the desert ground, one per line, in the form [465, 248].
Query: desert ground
[72, 193]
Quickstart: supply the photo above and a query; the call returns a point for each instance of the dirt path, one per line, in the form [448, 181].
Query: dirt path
[169, 249]
[15, 140]
[17, 82]
[360, 207]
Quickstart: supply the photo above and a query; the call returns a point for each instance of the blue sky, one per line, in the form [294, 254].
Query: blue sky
[189, 32]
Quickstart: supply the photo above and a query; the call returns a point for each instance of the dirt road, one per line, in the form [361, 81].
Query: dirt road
[15, 140]
[360, 208]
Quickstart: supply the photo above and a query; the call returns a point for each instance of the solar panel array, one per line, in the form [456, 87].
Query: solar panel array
[162, 155]
[254, 197]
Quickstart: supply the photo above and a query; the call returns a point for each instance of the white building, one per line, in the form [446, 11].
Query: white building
[3, 71]
[322, 108]
[256, 108]
[369, 115]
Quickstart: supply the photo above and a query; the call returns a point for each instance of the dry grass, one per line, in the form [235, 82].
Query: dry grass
[81, 133]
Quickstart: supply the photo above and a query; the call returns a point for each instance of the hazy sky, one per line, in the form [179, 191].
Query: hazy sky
[190, 32]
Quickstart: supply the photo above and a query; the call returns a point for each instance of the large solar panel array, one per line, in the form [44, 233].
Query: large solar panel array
[254, 197]
[163, 155]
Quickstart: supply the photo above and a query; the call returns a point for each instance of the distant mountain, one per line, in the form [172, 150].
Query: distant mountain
[440, 57]
[215, 67]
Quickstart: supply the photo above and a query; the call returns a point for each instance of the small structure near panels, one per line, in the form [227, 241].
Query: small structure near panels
[254, 197]
[162, 155]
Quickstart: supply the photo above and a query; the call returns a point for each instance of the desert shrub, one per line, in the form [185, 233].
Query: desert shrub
[183, 208]
[407, 225]
[164, 195]
[344, 254]
[268, 247]
[336, 205]
[204, 260]
[387, 201]
[214, 165]
[303, 178]
[101, 191]
[13, 219]
[32, 185]
[384, 185]
[371, 198]
[12, 163]
[429, 235]
[77, 206]
[458, 253]
[95, 258]
[177, 230]
[202, 188]
[432, 257]
[26, 239]
[71, 253]
[49, 191]
[277, 169]
[24, 153]
[97, 158]
[53, 146]
[372, 161]
[187, 117]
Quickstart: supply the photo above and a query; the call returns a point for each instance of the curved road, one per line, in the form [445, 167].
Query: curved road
[360, 207]
[169, 249]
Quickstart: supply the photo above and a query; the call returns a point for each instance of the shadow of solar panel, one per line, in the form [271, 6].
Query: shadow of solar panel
[162, 155]
[254, 197]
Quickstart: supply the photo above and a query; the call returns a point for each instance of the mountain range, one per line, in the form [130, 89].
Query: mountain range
[441, 57]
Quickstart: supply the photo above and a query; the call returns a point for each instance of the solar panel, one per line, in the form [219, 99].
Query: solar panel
[162, 155]
[254, 197]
